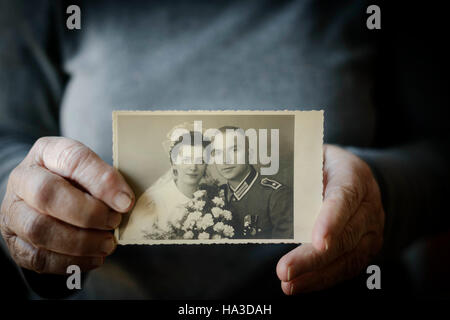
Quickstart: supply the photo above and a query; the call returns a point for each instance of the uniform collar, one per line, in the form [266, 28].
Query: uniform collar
[245, 185]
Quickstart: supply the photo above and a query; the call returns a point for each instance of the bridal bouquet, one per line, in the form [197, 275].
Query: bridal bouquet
[204, 217]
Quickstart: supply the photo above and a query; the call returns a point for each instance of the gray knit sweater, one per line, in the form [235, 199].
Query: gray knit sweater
[216, 55]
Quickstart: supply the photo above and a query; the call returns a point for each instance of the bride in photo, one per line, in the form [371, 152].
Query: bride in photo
[166, 199]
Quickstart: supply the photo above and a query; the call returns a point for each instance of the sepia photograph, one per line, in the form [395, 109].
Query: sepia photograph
[227, 150]
[219, 177]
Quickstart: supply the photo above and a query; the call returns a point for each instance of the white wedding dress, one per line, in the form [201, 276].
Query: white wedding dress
[158, 205]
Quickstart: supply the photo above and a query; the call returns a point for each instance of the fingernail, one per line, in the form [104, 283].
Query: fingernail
[289, 274]
[122, 201]
[114, 220]
[326, 244]
[291, 292]
[107, 246]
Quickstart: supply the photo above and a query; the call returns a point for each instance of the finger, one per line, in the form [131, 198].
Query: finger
[306, 257]
[75, 161]
[44, 261]
[337, 209]
[44, 231]
[362, 222]
[343, 268]
[51, 194]
[298, 260]
[344, 190]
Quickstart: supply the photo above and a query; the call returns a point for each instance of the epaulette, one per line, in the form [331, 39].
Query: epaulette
[271, 183]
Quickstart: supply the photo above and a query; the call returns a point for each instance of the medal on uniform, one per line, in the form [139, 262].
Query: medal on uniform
[250, 225]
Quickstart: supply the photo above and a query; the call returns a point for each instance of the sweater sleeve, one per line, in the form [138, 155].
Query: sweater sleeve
[409, 155]
[31, 86]
[413, 180]
[30, 83]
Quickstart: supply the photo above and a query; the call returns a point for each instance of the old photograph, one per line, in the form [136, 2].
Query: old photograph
[219, 176]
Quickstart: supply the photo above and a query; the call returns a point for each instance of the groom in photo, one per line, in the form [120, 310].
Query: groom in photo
[262, 208]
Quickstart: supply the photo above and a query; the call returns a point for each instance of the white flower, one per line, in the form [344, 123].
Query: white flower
[191, 219]
[218, 227]
[199, 204]
[199, 194]
[188, 224]
[205, 222]
[217, 236]
[228, 231]
[188, 235]
[203, 236]
[196, 215]
[216, 212]
[227, 214]
[191, 203]
[218, 201]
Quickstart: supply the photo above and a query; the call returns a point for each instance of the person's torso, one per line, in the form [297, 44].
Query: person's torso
[216, 55]
[208, 55]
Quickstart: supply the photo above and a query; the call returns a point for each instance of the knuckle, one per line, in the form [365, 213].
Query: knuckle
[38, 260]
[45, 191]
[10, 240]
[350, 195]
[72, 156]
[5, 213]
[107, 177]
[25, 255]
[15, 179]
[17, 253]
[349, 238]
[38, 147]
[15, 172]
[35, 229]
[41, 143]
[3, 224]
[4, 220]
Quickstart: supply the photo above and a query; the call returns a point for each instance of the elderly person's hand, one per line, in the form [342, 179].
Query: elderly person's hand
[59, 205]
[348, 231]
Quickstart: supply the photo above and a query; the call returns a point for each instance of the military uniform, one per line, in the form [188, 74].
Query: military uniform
[262, 208]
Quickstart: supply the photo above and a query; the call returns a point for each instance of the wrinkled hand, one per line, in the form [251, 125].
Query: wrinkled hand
[348, 231]
[60, 202]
